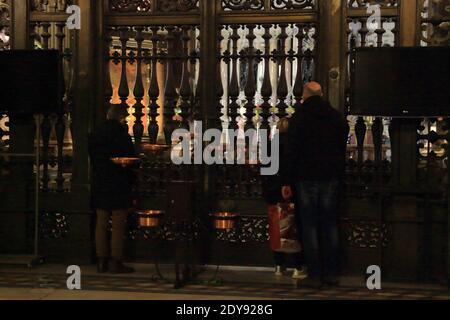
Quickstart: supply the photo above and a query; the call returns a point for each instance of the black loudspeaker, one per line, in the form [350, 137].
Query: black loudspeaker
[30, 82]
[400, 82]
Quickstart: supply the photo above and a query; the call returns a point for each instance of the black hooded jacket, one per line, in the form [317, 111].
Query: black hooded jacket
[271, 185]
[317, 140]
[111, 184]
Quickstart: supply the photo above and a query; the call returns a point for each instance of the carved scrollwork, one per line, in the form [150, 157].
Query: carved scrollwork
[242, 5]
[50, 5]
[5, 21]
[368, 234]
[177, 5]
[54, 226]
[293, 4]
[432, 143]
[432, 146]
[169, 230]
[435, 23]
[249, 229]
[365, 3]
[130, 5]
[5, 12]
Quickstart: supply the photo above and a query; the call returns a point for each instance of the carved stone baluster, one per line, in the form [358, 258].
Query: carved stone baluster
[380, 31]
[348, 31]
[170, 90]
[60, 128]
[53, 7]
[185, 87]
[352, 45]
[395, 30]
[314, 51]
[38, 5]
[46, 129]
[250, 87]
[138, 92]
[62, 5]
[377, 133]
[360, 132]
[60, 123]
[194, 59]
[363, 32]
[309, 57]
[153, 91]
[351, 41]
[33, 33]
[233, 89]
[108, 84]
[197, 112]
[282, 90]
[46, 35]
[298, 87]
[46, 126]
[124, 90]
[220, 91]
[266, 89]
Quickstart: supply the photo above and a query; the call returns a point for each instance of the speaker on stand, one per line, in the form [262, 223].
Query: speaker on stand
[30, 88]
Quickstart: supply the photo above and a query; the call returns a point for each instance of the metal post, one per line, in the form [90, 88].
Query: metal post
[38, 119]
[448, 213]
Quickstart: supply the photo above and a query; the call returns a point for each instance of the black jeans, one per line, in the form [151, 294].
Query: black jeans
[318, 212]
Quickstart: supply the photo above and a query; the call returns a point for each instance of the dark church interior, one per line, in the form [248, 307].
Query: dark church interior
[355, 94]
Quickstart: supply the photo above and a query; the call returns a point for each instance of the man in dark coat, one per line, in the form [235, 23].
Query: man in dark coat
[111, 188]
[315, 164]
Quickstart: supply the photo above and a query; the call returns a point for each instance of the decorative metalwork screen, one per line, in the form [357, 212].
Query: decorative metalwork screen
[153, 72]
[262, 5]
[5, 40]
[147, 6]
[432, 141]
[49, 31]
[262, 71]
[369, 141]
[369, 145]
[365, 3]
[266, 50]
[5, 21]
[49, 6]
[435, 23]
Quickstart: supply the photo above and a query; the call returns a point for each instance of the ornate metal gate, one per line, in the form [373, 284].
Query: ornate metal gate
[237, 63]
[263, 53]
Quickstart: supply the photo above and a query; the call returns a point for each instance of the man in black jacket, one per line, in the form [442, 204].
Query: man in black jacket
[111, 188]
[315, 164]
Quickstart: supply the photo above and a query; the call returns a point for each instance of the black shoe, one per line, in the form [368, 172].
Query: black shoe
[117, 267]
[331, 281]
[310, 283]
[102, 265]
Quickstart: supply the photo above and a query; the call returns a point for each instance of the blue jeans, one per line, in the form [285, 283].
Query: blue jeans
[318, 213]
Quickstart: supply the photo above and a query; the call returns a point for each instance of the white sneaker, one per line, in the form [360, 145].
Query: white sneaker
[279, 272]
[300, 273]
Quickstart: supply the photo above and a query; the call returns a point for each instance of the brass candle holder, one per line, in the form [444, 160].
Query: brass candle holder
[154, 148]
[224, 220]
[150, 218]
[125, 162]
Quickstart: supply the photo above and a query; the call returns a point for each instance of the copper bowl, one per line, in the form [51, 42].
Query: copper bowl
[126, 161]
[224, 220]
[155, 148]
[150, 218]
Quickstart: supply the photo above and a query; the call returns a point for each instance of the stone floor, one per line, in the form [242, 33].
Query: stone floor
[48, 282]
